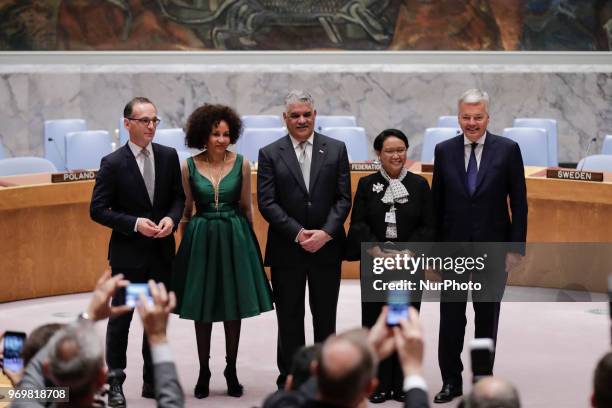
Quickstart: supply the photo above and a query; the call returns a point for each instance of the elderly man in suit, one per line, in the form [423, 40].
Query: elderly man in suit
[139, 195]
[476, 175]
[304, 193]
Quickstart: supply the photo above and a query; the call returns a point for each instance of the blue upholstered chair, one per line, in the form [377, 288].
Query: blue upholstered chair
[253, 139]
[448, 122]
[174, 137]
[262, 121]
[84, 150]
[25, 165]
[54, 139]
[533, 143]
[550, 125]
[354, 138]
[432, 137]
[322, 122]
[596, 162]
[606, 148]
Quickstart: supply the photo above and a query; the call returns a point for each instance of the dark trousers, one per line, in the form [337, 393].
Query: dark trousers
[118, 328]
[453, 322]
[390, 374]
[288, 287]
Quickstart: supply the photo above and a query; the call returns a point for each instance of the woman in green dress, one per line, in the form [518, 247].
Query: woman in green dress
[218, 273]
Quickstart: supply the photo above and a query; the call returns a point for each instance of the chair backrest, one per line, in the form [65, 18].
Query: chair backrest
[253, 139]
[262, 121]
[606, 148]
[596, 162]
[551, 127]
[54, 139]
[25, 165]
[124, 135]
[174, 137]
[354, 138]
[84, 150]
[448, 122]
[432, 137]
[533, 143]
[322, 122]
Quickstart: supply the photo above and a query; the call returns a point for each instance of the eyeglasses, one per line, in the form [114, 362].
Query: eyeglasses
[146, 121]
[400, 151]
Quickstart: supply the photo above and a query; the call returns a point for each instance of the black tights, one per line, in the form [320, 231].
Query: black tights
[232, 338]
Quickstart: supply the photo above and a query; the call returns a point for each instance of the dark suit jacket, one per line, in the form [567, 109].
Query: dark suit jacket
[415, 220]
[483, 217]
[287, 206]
[120, 197]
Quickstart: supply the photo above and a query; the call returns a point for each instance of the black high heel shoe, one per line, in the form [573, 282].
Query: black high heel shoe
[201, 389]
[234, 388]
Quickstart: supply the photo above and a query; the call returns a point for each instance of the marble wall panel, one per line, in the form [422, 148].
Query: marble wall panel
[407, 99]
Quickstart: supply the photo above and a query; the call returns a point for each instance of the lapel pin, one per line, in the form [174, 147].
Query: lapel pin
[321, 151]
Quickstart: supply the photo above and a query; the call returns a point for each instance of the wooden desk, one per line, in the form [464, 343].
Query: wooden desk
[49, 246]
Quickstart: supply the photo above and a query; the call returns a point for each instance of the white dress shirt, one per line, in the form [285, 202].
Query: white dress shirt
[296, 148]
[137, 151]
[467, 148]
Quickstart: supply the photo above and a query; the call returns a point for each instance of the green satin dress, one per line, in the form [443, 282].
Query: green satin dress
[218, 273]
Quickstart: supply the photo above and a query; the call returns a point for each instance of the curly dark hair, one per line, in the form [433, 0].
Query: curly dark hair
[202, 121]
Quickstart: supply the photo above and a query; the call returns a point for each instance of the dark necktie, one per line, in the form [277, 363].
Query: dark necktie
[472, 170]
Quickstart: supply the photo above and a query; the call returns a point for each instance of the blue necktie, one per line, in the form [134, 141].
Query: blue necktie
[472, 170]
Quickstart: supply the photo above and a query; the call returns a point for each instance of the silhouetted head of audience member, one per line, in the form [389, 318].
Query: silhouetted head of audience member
[602, 380]
[37, 339]
[492, 392]
[300, 366]
[346, 369]
[76, 360]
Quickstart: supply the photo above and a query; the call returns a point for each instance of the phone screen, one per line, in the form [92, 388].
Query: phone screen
[481, 353]
[398, 302]
[13, 346]
[133, 291]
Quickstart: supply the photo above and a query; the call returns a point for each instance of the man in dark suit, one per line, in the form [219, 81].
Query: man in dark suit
[139, 194]
[475, 174]
[304, 193]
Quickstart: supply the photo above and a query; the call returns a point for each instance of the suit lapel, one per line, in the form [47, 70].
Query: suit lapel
[158, 172]
[135, 174]
[488, 152]
[287, 154]
[459, 159]
[319, 153]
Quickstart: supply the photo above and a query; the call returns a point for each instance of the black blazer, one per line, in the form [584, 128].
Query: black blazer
[415, 219]
[120, 197]
[483, 217]
[287, 206]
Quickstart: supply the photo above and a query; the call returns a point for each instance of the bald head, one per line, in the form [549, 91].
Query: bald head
[492, 392]
[345, 369]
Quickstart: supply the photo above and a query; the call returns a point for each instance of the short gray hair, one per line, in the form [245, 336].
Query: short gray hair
[497, 393]
[298, 96]
[76, 356]
[474, 96]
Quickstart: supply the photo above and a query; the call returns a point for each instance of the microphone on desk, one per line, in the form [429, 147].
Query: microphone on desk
[59, 152]
[587, 152]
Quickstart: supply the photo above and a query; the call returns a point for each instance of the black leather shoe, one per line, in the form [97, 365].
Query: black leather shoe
[148, 390]
[201, 389]
[234, 388]
[378, 397]
[399, 396]
[116, 399]
[447, 393]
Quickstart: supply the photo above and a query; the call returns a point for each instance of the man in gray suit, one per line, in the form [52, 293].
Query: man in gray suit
[304, 193]
[74, 356]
